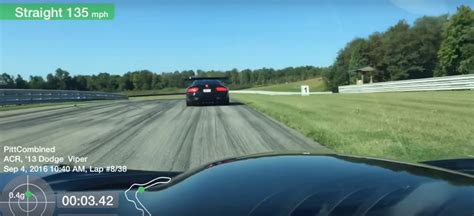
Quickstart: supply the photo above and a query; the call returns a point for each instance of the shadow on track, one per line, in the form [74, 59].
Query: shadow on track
[232, 103]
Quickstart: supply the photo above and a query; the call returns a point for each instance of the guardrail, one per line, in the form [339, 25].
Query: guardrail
[29, 96]
[458, 82]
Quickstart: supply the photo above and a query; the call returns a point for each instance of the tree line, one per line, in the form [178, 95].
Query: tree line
[148, 80]
[432, 46]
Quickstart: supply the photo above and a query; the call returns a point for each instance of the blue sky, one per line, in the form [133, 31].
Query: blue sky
[169, 35]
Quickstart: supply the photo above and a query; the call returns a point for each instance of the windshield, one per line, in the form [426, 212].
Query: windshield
[236, 107]
[118, 86]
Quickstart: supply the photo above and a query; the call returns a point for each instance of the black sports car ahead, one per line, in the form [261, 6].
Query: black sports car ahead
[207, 90]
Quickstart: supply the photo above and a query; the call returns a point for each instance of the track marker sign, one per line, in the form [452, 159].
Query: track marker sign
[304, 90]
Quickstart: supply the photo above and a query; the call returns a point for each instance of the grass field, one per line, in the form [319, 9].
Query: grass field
[414, 126]
[315, 84]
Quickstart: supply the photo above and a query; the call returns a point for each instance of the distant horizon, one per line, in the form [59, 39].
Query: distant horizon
[71, 73]
[166, 36]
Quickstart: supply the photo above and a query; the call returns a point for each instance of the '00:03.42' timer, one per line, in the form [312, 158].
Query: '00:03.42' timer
[88, 200]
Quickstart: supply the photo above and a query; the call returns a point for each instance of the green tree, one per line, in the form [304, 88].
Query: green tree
[142, 79]
[79, 83]
[62, 79]
[396, 43]
[339, 74]
[374, 51]
[6, 81]
[245, 77]
[157, 82]
[37, 82]
[456, 55]
[20, 83]
[52, 82]
[126, 82]
[425, 41]
[357, 59]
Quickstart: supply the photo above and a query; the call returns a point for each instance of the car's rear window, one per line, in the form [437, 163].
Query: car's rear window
[209, 82]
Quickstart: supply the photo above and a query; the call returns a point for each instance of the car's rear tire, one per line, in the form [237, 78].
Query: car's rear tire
[188, 103]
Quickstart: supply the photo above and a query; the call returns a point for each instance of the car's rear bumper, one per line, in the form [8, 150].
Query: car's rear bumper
[207, 99]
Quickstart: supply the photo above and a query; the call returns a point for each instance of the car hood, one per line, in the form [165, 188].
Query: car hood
[291, 184]
[306, 184]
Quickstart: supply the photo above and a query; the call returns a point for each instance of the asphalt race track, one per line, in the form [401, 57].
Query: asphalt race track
[150, 135]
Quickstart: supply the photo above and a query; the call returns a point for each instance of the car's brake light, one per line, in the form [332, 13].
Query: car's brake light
[221, 89]
[207, 86]
[192, 90]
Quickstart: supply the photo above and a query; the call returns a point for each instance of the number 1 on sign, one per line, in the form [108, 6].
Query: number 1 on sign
[304, 90]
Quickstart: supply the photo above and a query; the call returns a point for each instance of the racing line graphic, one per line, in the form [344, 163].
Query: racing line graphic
[140, 188]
